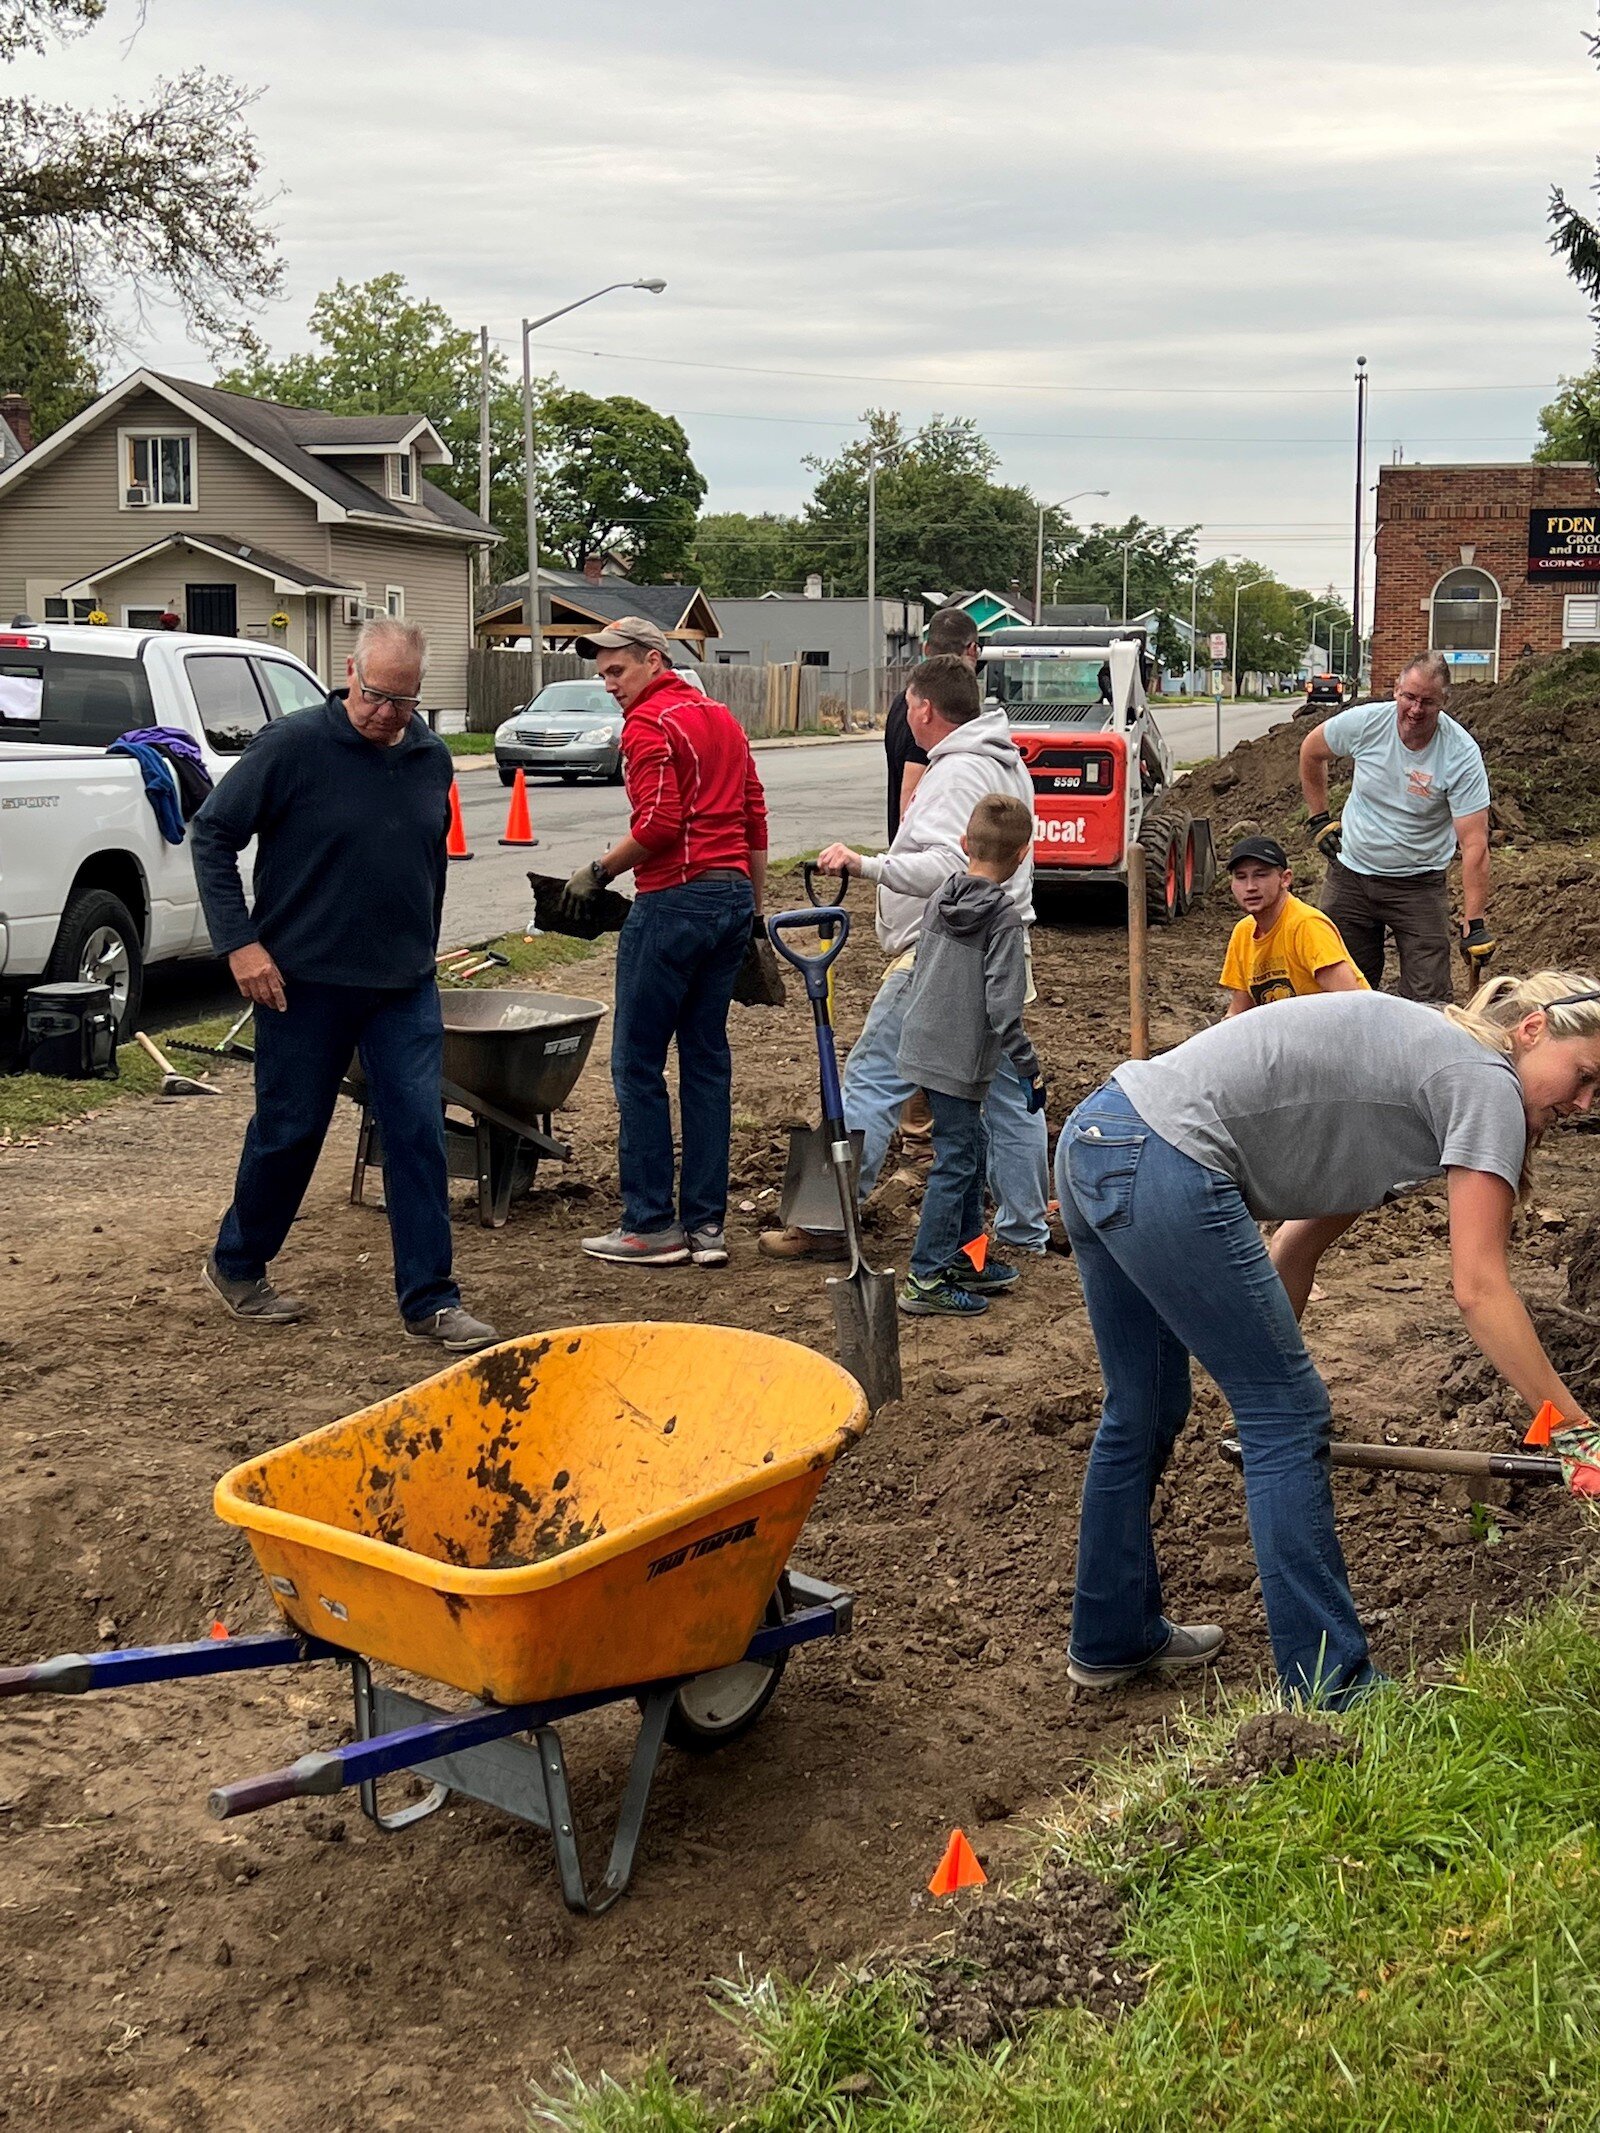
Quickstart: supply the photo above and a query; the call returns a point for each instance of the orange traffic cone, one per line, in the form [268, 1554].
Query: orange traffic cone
[455, 844]
[519, 823]
[958, 1869]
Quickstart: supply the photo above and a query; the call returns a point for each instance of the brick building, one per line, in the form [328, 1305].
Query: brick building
[1479, 561]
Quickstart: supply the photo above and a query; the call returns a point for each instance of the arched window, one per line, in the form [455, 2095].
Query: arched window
[1465, 621]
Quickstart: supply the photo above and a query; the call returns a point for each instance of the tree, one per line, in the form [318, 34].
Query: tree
[1569, 427]
[617, 478]
[738, 556]
[944, 525]
[161, 199]
[47, 348]
[1160, 564]
[1274, 619]
[385, 352]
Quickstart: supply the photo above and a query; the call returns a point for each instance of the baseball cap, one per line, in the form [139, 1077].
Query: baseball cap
[634, 630]
[1267, 849]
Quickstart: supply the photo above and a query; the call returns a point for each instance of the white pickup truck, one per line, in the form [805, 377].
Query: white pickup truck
[89, 888]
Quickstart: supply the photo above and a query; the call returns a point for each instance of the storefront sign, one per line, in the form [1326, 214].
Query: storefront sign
[1564, 543]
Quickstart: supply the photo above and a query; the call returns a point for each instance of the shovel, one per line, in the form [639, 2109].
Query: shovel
[1420, 1459]
[809, 1198]
[866, 1320]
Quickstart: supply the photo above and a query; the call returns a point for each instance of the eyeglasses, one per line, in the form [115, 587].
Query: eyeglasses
[407, 704]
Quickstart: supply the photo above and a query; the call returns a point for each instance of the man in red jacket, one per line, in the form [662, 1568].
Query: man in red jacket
[697, 848]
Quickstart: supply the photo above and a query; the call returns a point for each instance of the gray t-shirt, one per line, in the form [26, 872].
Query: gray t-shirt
[1321, 1106]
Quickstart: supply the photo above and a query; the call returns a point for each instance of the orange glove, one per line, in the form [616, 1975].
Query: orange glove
[1577, 1447]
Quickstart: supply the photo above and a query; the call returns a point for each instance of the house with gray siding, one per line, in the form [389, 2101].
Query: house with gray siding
[245, 519]
[805, 629]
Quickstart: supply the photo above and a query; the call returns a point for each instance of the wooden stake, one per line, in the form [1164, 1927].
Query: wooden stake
[1138, 964]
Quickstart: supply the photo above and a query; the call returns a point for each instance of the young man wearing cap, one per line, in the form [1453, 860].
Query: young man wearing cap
[697, 848]
[1281, 946]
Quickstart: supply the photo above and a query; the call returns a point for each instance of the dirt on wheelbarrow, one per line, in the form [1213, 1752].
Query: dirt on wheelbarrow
[300, 1970]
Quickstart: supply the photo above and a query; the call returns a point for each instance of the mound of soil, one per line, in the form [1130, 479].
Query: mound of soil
[1539, 731]
[1273, 1743]
[1015, 1955]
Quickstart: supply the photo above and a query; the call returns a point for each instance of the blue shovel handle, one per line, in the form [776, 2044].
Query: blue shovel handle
[825, 920]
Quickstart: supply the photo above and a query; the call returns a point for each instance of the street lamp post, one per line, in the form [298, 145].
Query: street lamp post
[1038, 565]
[1243, 586]
[530, 605]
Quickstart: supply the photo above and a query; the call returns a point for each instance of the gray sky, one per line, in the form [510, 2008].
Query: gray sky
[1142, 243]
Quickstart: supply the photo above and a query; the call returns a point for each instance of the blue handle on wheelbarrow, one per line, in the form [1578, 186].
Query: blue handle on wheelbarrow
[813, 968]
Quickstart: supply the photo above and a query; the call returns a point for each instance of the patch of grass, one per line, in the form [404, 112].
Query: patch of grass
[1407, 1941]
[469, 743]
[33, 1103]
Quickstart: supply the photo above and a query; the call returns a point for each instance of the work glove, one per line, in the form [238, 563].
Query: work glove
[1326, 833]
[587, 881]
[1477, 944]
[1036, 1095]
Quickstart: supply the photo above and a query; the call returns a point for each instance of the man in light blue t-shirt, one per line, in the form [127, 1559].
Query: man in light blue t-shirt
[1419, 790]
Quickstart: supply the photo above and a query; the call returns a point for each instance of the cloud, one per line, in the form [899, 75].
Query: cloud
[1230, 199]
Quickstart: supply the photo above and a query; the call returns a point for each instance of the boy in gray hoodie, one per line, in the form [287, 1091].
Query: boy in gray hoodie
[963, 1011]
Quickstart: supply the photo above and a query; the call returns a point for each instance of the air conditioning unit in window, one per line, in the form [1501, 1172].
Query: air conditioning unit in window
[137, 496]
[351, 609]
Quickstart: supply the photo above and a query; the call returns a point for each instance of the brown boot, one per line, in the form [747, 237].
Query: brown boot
[800, 1244]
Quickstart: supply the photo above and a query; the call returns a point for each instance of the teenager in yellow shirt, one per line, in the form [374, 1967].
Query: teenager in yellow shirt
[1281, 946]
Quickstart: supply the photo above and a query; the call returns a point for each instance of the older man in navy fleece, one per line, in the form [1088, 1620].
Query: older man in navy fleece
[349, 806]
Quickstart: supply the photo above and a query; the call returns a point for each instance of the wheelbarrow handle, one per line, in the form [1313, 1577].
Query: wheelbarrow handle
[813, 968]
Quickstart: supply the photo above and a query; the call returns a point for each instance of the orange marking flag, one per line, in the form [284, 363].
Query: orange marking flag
[958, 1869]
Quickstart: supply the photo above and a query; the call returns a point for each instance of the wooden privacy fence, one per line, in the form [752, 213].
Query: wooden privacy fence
[766, 700]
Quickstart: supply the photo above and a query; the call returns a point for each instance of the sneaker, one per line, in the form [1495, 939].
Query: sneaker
[257, 1301]
[801, 1244]
[991, 1279]
[456, 1331]
[628, 1247]
[708, 1246]
[1188, 1644]
[939, 1298]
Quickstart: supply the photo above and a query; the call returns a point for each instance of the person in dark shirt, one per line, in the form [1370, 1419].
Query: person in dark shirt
[349, 805]
[951, 630]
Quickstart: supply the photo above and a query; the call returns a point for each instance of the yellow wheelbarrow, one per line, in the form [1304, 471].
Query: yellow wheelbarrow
[584, 1517]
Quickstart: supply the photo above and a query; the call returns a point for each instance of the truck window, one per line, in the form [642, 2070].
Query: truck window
[290, 690]
[232, 711]
[83, 702]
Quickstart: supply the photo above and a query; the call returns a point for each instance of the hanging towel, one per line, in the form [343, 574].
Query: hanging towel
[182, 755]
[160, 784]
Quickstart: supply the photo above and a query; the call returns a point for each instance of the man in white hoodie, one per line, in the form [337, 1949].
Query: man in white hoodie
[970, 753]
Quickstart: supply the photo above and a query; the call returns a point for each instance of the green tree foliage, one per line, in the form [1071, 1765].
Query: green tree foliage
[739, 555]
[944, 523]
[47, 347]
[382, 351]
[617, 478]
[1161, 567]
[161, 199]
[1569, 427]
[1275, 620]
[612, 474]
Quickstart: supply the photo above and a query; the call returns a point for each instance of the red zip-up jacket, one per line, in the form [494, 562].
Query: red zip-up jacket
[692, 786]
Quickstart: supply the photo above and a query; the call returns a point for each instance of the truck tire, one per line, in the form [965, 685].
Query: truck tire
[1183, 846]
[1161, 863]
[98, 940]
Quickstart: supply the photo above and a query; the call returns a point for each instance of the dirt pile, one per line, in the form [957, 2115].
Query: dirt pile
[1539, 730]
[1054, 1946]
[1274, 1743]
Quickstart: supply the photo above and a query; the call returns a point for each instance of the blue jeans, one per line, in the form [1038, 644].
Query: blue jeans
[302, 1055]
[677, 960]
[952, 1205]
[1019, 1150]
[1172, 1265]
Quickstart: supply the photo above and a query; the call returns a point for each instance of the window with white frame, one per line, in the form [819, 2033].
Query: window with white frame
[405, 479]
[394, 601]
[158, 468]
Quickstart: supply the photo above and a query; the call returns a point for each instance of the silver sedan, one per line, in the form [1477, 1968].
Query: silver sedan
[571, 730]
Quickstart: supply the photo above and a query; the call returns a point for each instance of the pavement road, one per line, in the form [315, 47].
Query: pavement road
[816, 791]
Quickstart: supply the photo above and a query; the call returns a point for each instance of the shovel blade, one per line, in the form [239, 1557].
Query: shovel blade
[866, 1323]
[810, 1195]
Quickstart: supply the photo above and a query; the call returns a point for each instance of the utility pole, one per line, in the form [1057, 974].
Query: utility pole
[1361, 484]
[1242, 585]
[874, 635]
[483, 445]
[1194, 643]
[530, 605]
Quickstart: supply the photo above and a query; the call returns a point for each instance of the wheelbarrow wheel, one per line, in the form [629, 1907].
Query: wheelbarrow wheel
[714, 1709]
